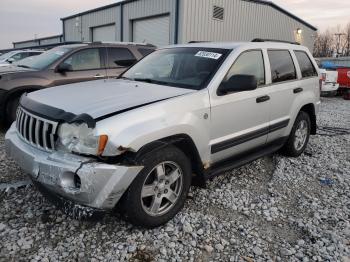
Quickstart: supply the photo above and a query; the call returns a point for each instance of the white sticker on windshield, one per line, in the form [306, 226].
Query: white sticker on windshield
[210, 55]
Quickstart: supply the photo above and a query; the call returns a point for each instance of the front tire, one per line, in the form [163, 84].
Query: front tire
[299, 136]
[159, 191]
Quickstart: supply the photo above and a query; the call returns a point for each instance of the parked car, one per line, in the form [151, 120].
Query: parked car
[344, 81]
[63, 65]
[14, 56]
[181, 115]
[329, 80]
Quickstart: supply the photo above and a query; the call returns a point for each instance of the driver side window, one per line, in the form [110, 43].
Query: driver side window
[249, 63]
[86, 59]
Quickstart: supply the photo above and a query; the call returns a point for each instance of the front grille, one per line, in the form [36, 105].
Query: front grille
[35, 130]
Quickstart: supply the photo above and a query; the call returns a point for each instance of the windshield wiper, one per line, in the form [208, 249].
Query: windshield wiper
[24, 66]
[147, 80]
[123, 77]
[151, 81]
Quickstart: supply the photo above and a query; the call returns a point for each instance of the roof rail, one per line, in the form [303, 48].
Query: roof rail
[274, 40]
[119, 43]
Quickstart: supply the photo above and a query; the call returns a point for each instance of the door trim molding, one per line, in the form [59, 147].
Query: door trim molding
[215, 148]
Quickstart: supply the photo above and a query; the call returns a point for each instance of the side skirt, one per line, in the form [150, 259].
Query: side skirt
[237, 161]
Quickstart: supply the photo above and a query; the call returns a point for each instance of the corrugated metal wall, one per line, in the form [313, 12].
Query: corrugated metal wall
[38, 42]
[79, 28]
[243, 21]
[25, 44]
[147, 8]
[49, 41]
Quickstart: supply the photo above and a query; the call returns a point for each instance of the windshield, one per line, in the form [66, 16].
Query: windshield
[45, 59]
[185, 67]
[7, 55]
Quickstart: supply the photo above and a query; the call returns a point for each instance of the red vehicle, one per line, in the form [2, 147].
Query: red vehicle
[344, 81]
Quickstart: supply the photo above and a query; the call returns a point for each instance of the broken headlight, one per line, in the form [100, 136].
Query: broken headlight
[79, 138]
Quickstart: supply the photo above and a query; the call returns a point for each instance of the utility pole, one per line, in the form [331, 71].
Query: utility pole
[339, 35]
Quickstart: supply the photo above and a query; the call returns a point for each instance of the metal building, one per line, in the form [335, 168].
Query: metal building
[44, 41]
[163, 22]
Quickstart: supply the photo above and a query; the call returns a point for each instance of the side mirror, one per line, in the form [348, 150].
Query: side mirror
[238, 83]
[63, 68]
[126, 62]
[10, 60]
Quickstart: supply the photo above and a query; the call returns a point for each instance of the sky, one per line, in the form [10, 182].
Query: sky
[24, 19]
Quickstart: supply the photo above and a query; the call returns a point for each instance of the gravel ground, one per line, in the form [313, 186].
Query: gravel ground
[274, 209]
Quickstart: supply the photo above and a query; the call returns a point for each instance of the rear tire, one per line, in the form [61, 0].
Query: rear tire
[159, 191]
[11, 109]
[299, 136]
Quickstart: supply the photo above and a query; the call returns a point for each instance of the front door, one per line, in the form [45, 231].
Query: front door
[240, 120]
[84, 65]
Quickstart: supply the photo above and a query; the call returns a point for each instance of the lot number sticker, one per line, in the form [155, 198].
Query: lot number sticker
[210, 55]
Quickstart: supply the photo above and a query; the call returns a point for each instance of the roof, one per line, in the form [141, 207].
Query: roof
[282, 10]
[98, 9]
[234, 45]
[263, 2]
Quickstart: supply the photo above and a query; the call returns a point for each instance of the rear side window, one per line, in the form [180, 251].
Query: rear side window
[34, 53]
[306, 66]
[145, 51]
[249, 63]
[117, 54]
[282, 66]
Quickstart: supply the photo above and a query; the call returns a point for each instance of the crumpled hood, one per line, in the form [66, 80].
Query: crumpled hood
[103, 97]
[10, 69]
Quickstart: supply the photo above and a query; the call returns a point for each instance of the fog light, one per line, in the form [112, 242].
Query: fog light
[70, 181]
[77, 181]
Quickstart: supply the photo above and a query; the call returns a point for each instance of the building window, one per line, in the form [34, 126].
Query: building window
[218, 12]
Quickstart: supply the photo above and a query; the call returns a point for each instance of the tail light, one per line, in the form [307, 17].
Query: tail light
[323, 76]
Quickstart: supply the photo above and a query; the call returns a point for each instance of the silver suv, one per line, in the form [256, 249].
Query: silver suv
[181, 115]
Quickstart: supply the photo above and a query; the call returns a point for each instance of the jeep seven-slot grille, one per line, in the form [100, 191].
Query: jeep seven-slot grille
[35, 130]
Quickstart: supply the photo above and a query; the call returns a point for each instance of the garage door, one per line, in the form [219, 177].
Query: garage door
[154, 31]
[104, 33]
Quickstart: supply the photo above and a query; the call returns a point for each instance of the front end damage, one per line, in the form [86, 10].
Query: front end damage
[81, 186]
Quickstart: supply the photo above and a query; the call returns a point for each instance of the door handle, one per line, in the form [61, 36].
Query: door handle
[99, 76]
[262, 99]
[297, 90]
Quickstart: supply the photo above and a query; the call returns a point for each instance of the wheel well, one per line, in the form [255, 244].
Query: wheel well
[18, 92]
[187, 146]
[310, 110]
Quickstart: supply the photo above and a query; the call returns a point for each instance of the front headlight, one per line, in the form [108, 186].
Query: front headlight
[79, 138]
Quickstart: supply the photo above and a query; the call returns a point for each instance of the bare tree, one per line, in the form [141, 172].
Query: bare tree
[347, 42]
[324, 44]
[334, 40]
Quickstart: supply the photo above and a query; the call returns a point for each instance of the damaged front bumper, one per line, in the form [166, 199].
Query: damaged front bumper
[82, 181]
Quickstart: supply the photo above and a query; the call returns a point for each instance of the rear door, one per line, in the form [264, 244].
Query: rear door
[114, 56]
[240, 120]
[283, 89]
[85, 65]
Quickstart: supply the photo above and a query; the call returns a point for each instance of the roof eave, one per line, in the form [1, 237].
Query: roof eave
[277, 7]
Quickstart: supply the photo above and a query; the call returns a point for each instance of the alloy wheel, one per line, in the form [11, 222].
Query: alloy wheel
[162, 188]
